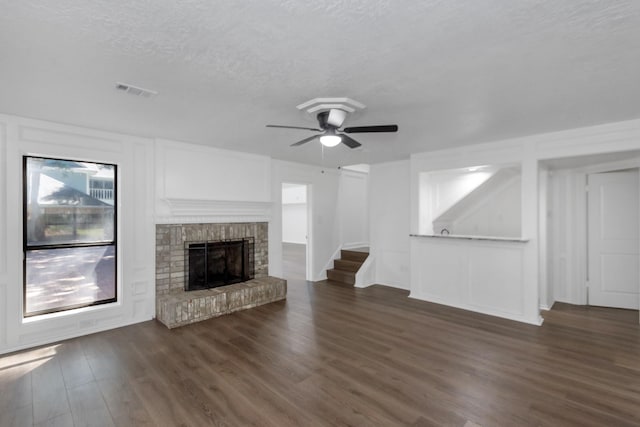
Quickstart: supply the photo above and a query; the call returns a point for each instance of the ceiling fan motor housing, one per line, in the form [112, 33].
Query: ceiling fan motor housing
[333, 118]
[322, 119]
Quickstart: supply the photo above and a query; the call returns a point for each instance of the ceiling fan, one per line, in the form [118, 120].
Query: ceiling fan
[330, 122]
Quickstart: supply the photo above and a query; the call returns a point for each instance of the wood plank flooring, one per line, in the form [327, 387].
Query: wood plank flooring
[334, 355]
[294, 259]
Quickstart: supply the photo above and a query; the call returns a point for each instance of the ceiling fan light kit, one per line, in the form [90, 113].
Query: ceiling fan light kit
[330, 124]
[330, 140]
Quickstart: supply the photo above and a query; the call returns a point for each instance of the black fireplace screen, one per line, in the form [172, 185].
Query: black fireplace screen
[219, 263]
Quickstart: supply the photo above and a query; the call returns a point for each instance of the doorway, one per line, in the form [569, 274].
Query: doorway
[295, 231]
[613, 231]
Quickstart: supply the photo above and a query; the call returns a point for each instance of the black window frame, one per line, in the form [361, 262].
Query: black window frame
[26, 247]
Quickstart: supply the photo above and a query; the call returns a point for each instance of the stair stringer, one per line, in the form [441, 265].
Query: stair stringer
[328, 265]
[366, 274]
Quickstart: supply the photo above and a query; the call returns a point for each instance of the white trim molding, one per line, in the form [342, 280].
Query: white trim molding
[196, 211]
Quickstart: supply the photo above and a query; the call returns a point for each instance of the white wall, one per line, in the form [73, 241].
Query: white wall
[353, 204]
[567, 276]
[294, 194]
[547, 298]
[294, 223]
[389, 206]
[497, 215]
[4, 223]
[136, 249]
[196, 183]
[445, 188]
[294, 213]
[476, 201]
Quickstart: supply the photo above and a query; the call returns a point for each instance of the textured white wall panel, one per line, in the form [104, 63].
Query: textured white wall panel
[3, 233]
[482, 276]
[3, 205]
[354, 208]
[189, 171]
[134, 158]
[389, 222]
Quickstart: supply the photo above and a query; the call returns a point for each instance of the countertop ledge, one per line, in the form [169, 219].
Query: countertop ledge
[463, 237]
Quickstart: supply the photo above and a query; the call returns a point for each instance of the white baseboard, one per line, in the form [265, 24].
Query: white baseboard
[511, 316]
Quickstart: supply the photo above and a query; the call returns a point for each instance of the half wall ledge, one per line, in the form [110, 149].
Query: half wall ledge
[181, 308]
[465, 237]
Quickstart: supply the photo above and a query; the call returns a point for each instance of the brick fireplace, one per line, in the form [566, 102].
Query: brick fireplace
[176, 307]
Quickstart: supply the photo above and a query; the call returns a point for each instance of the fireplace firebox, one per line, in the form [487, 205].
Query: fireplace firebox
[218, 263]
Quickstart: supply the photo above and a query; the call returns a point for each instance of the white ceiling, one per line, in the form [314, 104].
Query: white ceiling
[448, 72]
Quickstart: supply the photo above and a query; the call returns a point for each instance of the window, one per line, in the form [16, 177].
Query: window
[69, 231]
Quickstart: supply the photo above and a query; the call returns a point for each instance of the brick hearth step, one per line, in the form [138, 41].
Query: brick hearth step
[180, 308]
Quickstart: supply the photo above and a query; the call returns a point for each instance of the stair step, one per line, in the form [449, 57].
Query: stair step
[348, 277]
[346, 265]
[352, 255]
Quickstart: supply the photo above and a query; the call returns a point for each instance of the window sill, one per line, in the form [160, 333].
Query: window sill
[72, 312]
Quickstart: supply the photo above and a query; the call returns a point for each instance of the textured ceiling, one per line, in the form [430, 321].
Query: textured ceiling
[448, 72]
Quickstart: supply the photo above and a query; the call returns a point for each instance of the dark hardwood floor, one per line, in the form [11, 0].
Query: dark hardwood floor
[334, 355]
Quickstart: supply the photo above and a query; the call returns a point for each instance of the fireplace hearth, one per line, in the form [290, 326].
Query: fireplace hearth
[218, 263]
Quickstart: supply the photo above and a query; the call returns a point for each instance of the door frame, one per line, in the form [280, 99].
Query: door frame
[567, 229]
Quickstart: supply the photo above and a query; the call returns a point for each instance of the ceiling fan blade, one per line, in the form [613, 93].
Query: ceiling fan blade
[349, 142]
[293, 127]
[336, 117]
[304, 141]
[371, 129]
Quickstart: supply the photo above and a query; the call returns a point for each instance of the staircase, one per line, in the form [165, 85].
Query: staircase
[344, 269]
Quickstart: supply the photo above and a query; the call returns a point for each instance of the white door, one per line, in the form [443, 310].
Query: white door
[613, 226]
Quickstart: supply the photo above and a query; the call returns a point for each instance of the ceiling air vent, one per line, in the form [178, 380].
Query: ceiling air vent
[135, 90]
